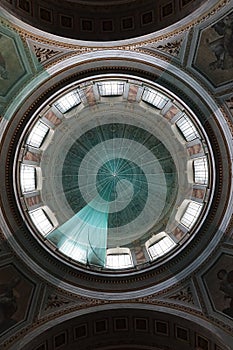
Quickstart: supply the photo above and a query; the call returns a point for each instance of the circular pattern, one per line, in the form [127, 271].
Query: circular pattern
[116, 181]
[119, 171]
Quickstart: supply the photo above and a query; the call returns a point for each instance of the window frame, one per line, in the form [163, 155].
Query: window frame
[68, 101]
[187, 128]
[154, 98]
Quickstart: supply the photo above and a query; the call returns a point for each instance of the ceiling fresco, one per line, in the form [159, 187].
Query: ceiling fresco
[16, 297]
[218, 282]
[49, 304]
[18, 66]
[13, 71]
[215, 45]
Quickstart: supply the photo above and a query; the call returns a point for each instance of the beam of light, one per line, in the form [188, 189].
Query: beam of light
[84, 236]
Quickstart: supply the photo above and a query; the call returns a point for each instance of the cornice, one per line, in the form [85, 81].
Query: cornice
[90, 46]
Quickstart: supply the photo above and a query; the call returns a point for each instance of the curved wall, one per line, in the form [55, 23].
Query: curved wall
[193, 253]
[102, 21]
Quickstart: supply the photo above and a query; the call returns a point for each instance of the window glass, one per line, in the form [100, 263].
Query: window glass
[118, 261]
[161, 247]
[68, 101]
[191, 214]
[37, 135]
[27, 178]
[41, 221]
[111, 88]
[187, 128]
[200, 171]
[155, 98]
[72, 250]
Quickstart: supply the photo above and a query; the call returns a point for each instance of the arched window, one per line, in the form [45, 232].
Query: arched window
[159, 245]
[27, 178]
[187, 128]
[37, 135]
[68, 101]
[118, 258]
[155, 98]
[200, 167]
[111, 88]
[41, 221]
[191, 214]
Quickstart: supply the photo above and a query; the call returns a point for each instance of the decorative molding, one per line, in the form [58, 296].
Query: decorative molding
[90, 302]
[47, 54]
[184, 295]
[167, 36]
[43, 54]
[55, 301]
[172, 48]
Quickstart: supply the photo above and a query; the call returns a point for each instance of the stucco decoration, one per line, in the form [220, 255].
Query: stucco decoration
[54, 301]
[47, 54]
[173, 46]
[16, 293]
[186, 294]
[219, 285]
[215, 46]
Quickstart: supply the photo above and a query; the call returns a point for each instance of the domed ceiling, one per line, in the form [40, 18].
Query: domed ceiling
[116, 176]
[101, 20]
[112, 182]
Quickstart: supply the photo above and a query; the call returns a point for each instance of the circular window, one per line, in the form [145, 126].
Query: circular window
[114, 173]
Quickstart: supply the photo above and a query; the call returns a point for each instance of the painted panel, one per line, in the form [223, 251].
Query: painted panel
[219, 284]
[18, 67]
[214, 56]
[15, 297]
[11, 68]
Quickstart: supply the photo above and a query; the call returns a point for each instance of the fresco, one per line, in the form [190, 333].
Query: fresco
[11, 69]
[18, 66]
[214, 56]
[15, 297]
[219, 284]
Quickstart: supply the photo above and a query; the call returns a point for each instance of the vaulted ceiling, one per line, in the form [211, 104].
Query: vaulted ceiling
[181, 49]
[101, 20]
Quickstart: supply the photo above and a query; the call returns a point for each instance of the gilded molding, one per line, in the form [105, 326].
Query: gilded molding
[26, 34]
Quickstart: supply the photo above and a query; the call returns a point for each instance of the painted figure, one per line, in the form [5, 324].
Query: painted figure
[226, 286]
[8, 303]
[3, 70]
[223, 46]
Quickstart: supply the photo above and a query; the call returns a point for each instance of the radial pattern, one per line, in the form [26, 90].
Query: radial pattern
[119, 180]
[114, 174]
